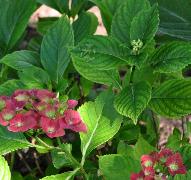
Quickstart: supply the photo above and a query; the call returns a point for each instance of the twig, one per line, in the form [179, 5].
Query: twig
[37, 163]
[24, 161]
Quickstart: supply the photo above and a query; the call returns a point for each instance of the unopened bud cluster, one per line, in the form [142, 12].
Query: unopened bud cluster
[39, 109]
[136, 46]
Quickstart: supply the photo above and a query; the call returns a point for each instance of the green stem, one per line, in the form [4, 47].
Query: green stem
[44, 144]
[12, 160]
[76, 163]
[68, 154]
[132, 75]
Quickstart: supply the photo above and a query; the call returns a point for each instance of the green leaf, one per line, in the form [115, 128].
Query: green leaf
[13, 21]
[16, 176]
[174, 140]
[133, 99]
[142, 147]
[102, 122]
[125, 149]
[20, 60]
[44, 24]
[172, 99]
[101, 52]
[5, 173]
[129, 132]
[107, 77]
[85, 25]
[145, 25]
[34, 44]
[175, 19]
[116, 166]
[108, 9]
[60, 5]
[183, 176]
[11, 141]
[122, 21]
[76, 7]
[35, 77]
[185, 151]
[59, 157]
[171, 57]
[55, 55]
[64, 176]
[8, 87]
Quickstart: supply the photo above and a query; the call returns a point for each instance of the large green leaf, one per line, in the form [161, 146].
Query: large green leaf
[122, 21]
[102, 122]
[174, 140]
[142, 147]
[175, 19]
[44, 24]
[5, 173]
[64, 176]
[35, 77]
[145, 25]
[11, 141]
[60, 5]
[125, 149]
[20, 60]
[107, 77]
[101, 52]
[8, 87]
[116, 166]
[85, 25]
[172, 99]
[76, 6]
[13, 21]
[171, 57]
[55, 55]
[108, 9]
[133, 99]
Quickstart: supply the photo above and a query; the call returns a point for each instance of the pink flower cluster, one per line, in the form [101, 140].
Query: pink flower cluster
[39, 109]
[159, 165]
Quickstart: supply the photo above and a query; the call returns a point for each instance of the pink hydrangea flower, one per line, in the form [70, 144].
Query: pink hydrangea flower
[72, 103]
[23, 122]
[164, 154]
[3, 102]
[149, 172]
[147, 161]
[39, 109]
[49, 112]
[20, 98]
[5, 116]
[137, 176]
[175, 164]
[73, 121]
[51, 127]
[45, 95]
[155, 156]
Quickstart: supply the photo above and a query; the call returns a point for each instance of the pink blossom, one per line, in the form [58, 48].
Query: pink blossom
[5, 116]
[72, 103]
[51, 127]
[23, 122]
[175, 164]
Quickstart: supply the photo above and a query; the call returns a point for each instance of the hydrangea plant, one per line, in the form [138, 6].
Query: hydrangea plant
[90, 105]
